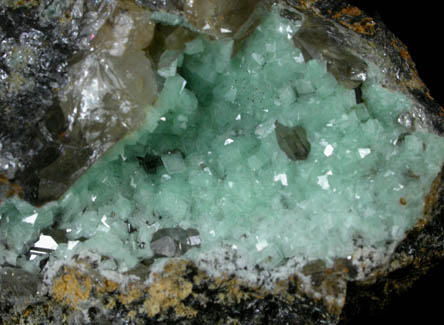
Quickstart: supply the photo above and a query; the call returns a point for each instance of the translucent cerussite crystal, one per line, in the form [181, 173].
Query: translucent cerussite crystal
[261, 153]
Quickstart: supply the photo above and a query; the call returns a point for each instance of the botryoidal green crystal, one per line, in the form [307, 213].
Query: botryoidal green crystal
[261, 154]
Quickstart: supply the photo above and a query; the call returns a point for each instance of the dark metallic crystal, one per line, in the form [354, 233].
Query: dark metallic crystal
[174, 241]
[293, 141]
[33, 61]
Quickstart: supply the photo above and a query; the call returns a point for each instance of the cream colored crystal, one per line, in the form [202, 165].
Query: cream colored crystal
[219, 18]
[129, 29]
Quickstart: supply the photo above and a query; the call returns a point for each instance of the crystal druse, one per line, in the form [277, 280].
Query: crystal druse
[238, 136]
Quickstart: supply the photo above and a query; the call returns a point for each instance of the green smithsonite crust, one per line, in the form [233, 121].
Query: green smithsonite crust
[211, 157]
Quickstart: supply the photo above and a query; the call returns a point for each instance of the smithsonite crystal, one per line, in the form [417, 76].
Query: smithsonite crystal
[260, 153]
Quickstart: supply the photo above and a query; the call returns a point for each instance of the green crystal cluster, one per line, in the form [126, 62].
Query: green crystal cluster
[217, 155]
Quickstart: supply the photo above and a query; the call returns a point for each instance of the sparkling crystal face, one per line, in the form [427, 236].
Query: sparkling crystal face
[260, 152]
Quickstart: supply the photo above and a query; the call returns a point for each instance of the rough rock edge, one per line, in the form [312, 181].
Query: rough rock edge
[193, 296]
[180, 294]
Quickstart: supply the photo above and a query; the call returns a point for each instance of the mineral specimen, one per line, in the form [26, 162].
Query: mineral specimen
[254, 140]
[293, 141]
[174, 241]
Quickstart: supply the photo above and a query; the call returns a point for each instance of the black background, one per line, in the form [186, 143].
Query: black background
[420, 26]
